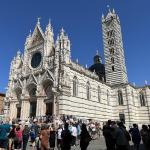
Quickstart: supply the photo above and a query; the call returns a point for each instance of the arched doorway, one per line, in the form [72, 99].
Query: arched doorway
[49, 101]
[33, 100]
[18, 92]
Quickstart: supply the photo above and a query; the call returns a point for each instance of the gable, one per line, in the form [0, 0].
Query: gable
[31, 79]
[37, 36]
[47, 76]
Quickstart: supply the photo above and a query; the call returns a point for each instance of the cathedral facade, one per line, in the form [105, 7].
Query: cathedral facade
[45, 81]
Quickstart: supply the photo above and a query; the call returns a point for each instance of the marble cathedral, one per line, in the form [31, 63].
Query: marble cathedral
[45, 81]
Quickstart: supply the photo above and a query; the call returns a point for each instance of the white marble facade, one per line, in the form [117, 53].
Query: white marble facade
[45, 81]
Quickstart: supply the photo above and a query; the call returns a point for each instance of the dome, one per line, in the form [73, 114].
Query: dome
[98, 67]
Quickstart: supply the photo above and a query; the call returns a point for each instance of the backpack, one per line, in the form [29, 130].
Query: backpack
[32, 135]
[26, 132]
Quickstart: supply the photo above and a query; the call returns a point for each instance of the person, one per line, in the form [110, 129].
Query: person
[44, 137]
[59, 131]
[66, 138]
[36, 130]
[78, 133]
[74, 134]
[85, 137]
[122, 137]
[108, 132]
[98, 129]
[18, 138]
[32, 138]
[11, 137]
[3, 137]
[52, 137]
[26, 133]
[136, 137]
[145, 137]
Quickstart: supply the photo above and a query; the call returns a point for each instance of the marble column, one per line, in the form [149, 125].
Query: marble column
[40, 107]
[13, 109]
[25, 109]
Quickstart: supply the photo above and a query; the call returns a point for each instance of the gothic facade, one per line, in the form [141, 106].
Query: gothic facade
[45, 81]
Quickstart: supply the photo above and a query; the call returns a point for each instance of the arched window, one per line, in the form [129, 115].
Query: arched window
[142, 99]
[111, 42]
[110, 33]
[111, 50]
[113, 68]
[120, 97]
[88, 90]
[75, 86]
[112, 60]
[99, 93]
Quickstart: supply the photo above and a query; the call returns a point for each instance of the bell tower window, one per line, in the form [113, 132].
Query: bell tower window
[113, 68]
[111, 42]
[111, 50]
[112, 60]
[110, 33]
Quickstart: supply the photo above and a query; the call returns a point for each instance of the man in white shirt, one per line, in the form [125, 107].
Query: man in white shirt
[59, 131]
[74, 134]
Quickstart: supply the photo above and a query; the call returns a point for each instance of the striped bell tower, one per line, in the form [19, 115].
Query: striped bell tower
[115, 67]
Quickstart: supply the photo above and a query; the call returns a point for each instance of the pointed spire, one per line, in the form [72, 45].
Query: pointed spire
[145, 82]
[49, 22]
[86, 66]
[97, 52]
[38, 21]
[113, 11]
[62, 32]
[30, 32]
[18, 53]
[49, 26]
[77, 60]
[102, 16]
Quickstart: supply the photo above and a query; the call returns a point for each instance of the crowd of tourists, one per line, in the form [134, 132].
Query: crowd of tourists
[45, 133]
[117, 137]
[67, 132]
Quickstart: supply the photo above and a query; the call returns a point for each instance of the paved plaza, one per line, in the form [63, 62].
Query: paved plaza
[98, 144]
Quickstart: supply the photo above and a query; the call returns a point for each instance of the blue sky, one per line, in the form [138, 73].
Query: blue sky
[81, 20]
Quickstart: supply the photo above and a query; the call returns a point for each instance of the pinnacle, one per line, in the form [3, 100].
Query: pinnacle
[18, 53]
[38, 21]
[62, 32]
[97, 52]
